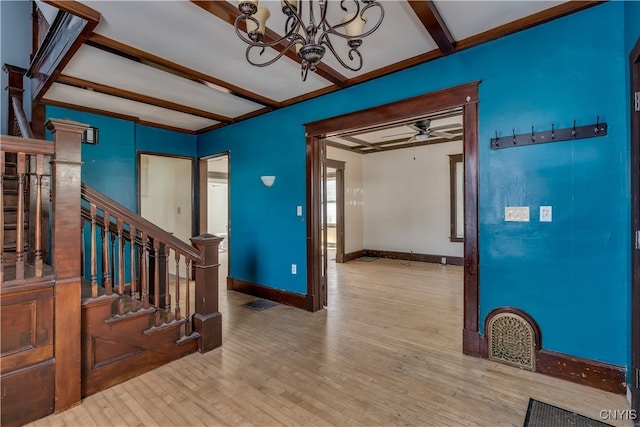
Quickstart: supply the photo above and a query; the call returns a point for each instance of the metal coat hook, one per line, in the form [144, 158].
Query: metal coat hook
[533, 135]
[553, 130]
[573, 131]
[514, 136]
[496, 141]
[597, 128]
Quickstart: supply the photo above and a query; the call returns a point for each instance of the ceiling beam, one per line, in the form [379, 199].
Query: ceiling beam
[114, 115]
[146, 58]
[434, 24]
[359, 141]
[132, 96]
[341, 146]
[228, 13]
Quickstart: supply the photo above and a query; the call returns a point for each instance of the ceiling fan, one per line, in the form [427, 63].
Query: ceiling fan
[424, 131]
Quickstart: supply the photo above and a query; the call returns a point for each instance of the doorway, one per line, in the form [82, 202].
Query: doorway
[464, 97]
[214, 202]
[335, 209]
[634, 60]
[166, 194]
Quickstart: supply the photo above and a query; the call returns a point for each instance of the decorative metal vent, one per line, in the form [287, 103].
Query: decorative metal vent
[511, 340]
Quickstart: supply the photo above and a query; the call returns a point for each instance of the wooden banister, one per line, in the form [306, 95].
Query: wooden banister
[29, 146]
[116, 210]
[21, 117]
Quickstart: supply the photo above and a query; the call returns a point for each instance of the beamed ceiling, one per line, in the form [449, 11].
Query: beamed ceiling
[179, 64]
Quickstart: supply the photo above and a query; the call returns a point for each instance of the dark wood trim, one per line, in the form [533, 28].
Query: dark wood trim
[587, 372]
[471, 230]
[131, 53]
[405, 109]
[602, 376]
[634, 62]
[352, 255]
[314, 223]
[125, 94]
[339, 166]
[66, 35]
[428, 14]
[465, 96]
[453, 195]
[228, 13]
[412, 256]
[70, 106]
[539, 18]
[251, 114]
[210, 128]
[166, 127]
[191, 188]
[260, 291]
[75, 8]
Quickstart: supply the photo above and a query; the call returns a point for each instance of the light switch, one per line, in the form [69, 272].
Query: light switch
[545, 213]
[516, 213]
[299, 210]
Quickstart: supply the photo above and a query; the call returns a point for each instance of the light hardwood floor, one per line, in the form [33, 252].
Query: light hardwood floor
[387, 351]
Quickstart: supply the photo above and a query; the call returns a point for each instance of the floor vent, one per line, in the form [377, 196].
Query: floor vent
[511, 340]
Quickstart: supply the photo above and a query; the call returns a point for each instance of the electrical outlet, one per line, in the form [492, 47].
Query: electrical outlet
[443, 260]
[294, 269]
[516, 213]
[545, 213]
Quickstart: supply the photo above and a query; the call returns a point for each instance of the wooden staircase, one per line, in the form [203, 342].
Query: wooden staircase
[101, 307]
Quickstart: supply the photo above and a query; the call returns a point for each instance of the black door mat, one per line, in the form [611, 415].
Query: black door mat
[367, 258]
[260, 304]
[540, 414]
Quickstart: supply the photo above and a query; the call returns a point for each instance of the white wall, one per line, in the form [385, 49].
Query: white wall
[165, 198]
[407, 201]
[353, 209]
[15, 47]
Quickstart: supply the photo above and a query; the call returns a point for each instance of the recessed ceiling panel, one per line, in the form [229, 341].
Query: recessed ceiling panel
[98, 66]
[468, 18]
[188, 35]
[146, 112]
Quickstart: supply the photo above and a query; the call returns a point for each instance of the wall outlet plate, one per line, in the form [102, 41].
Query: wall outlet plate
[545, 213]
[516, 213]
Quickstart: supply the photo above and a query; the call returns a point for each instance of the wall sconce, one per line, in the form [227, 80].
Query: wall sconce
[268, 180]
[90, 136]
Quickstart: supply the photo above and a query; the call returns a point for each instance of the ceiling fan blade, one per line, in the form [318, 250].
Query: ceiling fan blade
[396, 134]
[442, 134]
[449, 126]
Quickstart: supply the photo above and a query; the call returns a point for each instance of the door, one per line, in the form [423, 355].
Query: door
[335, 207]
[635, 229]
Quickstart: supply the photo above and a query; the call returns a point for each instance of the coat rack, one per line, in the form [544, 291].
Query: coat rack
[553, 135]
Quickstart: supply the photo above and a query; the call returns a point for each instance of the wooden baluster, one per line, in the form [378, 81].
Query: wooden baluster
[94, 256]
[38, 221]
[2, 172]
[132, 276]
[187, 300]
[106, 263]
[177, 314]
[119, 226]
[20, 218]
[144, 274]
[167, 288]
[156, 280]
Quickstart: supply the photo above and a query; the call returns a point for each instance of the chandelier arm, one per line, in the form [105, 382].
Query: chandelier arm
[297, 16]
[251, 42]
[278, 56]
[328, 44]
[332, 30]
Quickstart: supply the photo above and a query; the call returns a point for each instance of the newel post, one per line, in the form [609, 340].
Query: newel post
[207, 320]
[65, 249]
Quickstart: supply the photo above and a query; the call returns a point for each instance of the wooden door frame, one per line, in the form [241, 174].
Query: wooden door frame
[203, 196]
[464, 96]
[634, 77]
[339, 167]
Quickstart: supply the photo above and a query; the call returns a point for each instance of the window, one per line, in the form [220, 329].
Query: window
[331, 201]
[456, 179]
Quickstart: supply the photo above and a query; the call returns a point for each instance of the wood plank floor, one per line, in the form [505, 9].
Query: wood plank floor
[387, 351]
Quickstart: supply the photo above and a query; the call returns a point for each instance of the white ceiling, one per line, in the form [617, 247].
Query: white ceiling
[175, 64]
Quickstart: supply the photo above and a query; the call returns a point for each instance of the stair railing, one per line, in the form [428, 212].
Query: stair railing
[117, 236]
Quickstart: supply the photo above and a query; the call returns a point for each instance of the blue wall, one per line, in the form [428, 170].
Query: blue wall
[15, 48]
[571, 275]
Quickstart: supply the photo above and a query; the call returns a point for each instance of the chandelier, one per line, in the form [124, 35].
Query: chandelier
[311, 39]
